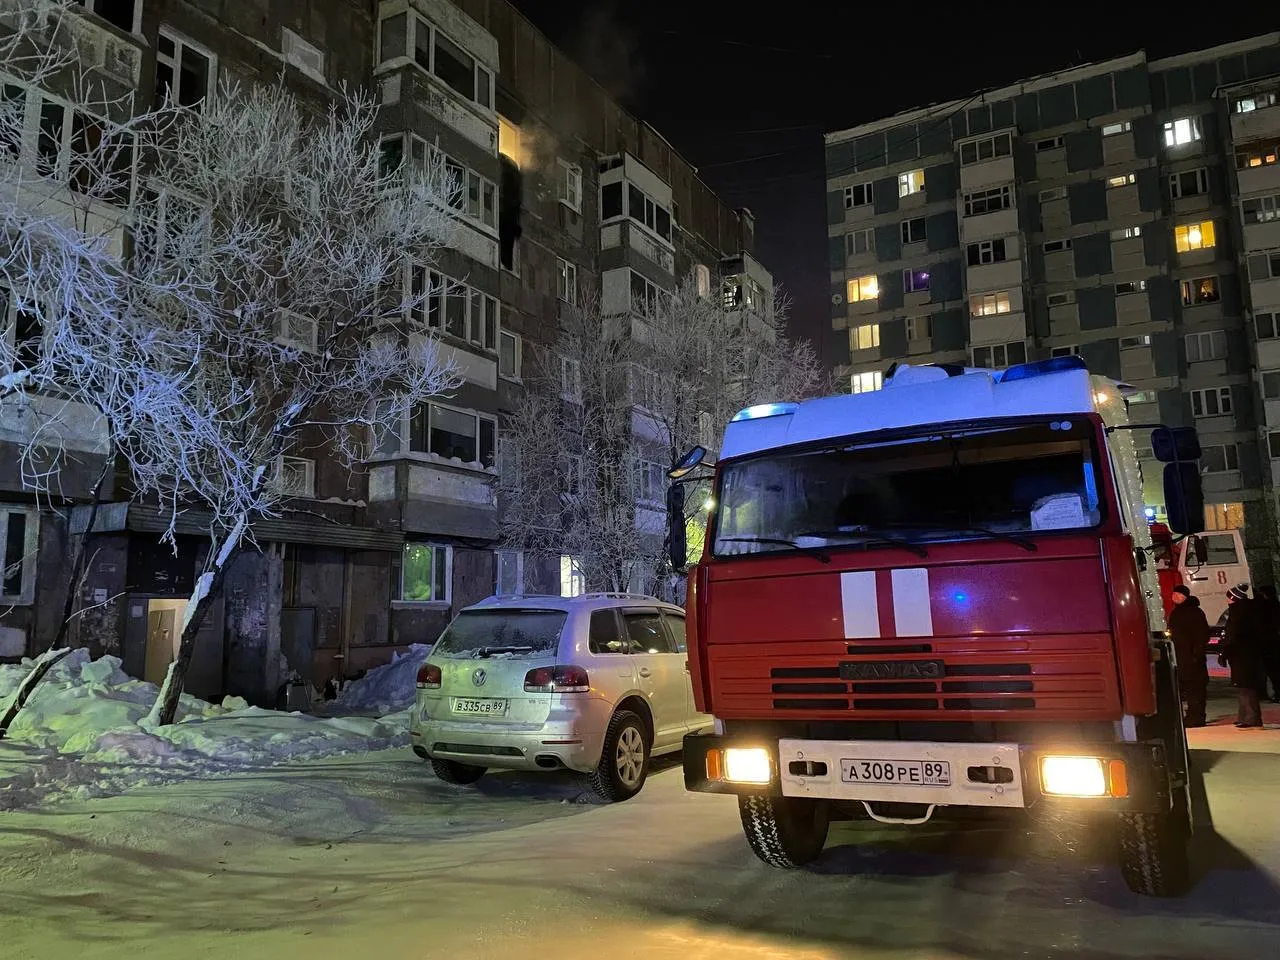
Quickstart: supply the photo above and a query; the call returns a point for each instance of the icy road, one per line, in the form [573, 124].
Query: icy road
[370, 858]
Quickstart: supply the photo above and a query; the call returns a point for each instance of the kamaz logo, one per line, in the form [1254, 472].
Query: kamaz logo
[893, 670]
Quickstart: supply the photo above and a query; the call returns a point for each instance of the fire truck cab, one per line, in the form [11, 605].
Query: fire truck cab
[941, 594]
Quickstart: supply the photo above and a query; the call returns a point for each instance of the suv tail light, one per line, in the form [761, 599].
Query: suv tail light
[429, 675]
[557, 680]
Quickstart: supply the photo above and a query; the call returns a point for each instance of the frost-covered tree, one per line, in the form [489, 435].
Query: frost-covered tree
[260, 302]
[613, 403]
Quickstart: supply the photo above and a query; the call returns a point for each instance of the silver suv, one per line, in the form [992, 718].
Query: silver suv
[597, 684]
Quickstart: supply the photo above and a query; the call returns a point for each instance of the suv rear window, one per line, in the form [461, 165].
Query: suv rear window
[517, 633]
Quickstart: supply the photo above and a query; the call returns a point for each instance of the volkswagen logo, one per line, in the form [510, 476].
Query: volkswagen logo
[479, 677]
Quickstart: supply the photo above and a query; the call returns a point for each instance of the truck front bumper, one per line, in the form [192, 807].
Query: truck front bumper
[1117, 777]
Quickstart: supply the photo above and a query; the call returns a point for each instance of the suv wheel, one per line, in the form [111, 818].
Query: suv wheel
[624, 761]
[451, 771]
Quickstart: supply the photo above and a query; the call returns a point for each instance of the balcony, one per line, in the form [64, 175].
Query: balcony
[1257, 179]
[1262, 236]
[649, 247]
[1123, 202]
[1128, 254]
[1256, 124]
[994, 276]
[997, 328]
[431, 495]
[988, 226]
[987, 173]
[1133, 308]
[1265, 294]
[1269, 354]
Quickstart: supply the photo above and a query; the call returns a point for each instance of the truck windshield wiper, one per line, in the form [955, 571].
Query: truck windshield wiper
[818, 552]
[486, 652]
[870, 534]
[1028, 545]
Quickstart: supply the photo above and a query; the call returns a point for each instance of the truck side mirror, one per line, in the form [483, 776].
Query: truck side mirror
[1184, 497]
[686, 463]
[1172, 444]
[677, 546]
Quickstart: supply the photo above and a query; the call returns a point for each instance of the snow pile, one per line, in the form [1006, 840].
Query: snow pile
[94, 710]
[390, 687]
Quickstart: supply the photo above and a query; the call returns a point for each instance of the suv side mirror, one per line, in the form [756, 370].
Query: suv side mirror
[677, 545]
[1184, 497]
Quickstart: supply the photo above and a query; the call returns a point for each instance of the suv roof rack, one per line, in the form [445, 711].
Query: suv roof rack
[580, 597]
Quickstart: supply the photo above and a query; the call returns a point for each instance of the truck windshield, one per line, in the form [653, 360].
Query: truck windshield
[1000, 482]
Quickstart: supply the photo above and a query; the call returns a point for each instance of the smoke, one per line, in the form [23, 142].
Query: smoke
[607, 47]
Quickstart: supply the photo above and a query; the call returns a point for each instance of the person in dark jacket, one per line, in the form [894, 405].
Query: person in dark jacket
[1190, 632]
[1242, 648]
[1271, 655]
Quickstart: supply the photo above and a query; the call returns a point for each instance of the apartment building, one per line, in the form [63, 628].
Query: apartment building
[1123, 211]
[561, 191]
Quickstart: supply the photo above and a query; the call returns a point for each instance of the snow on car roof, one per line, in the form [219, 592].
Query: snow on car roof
[912, 396]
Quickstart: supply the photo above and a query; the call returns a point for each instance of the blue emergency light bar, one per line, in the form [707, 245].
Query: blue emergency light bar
[761, 410]
[1025, 371]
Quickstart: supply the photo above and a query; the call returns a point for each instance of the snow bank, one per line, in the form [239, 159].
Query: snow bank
[388, 688]
[93, 710]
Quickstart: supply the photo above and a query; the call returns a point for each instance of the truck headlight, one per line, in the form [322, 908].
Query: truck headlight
[1083, 777]
[747, 765]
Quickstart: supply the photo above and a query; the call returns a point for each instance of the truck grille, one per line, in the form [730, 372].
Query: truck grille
[877, 691]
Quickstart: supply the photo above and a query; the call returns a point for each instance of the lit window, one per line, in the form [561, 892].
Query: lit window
[1123, 180]
[989, 304]
[1257, 155]
[915, 281]
[1255, 101]
[573, 581]
[910, 182]
[867, 382]
[863, 288]
[424, 573]
[1112, 129]
[1200, 290]
[865, 337]
[1184, 130]
[1194, 236]
[1126, 233]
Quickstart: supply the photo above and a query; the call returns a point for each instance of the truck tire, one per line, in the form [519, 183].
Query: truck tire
[1154, 852]
[785, 832]
[451, 771]
[624, 760]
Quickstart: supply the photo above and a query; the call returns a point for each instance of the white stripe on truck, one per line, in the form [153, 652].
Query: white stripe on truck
[911, 614]
[858, 600]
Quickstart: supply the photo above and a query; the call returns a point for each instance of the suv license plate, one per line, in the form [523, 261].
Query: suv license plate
[921, 773]
[479, 708]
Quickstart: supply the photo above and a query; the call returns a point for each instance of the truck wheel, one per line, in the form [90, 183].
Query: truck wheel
[624, 761]
[785, 832]
[1154, 852]
[451, 771]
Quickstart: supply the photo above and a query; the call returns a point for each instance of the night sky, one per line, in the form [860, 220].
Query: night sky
[746, 97]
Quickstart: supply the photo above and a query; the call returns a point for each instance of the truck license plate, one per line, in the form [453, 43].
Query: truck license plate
[923, 773]
[480, 708]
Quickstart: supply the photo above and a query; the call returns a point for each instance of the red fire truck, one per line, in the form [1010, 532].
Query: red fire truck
[940, 594]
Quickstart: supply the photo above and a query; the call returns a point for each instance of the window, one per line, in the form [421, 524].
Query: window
[1273, 445]
[1053, 193]
[1193, 236]
[650, 481]
[642, 209]
[1260, 209]
[1069, 350]
[570, 380]
[988, 148]
[118, 13]
[915, 281]
[1113, 129]
[566, 281]
[1126, 233]
[307, 57]
[425, 573]
[185, 74]
[508, 573]
[569, 186]
[453, 434]
[1209, 345]
[646, 296]
[508, 461]
[863, 288]
[913, 230]
[509, 348]
[986, 201]
[1213, 402]
[1189, 183]
[646, 387]
[1264, 265]
[859, 195]
[867, 382]
[989, 304]
[569, 471]
[919, 328]
[860, 241]
[605, 635]
[1130, 286]
[910, 182]
[865, 337]
[295, 477]
[1061, 299]
[1219, 458]
[1057, 246]
[573, 582]
[50, 137]
[1255, 101]
[413, 36]
[455, 66]
[18, 532]
[1257, 155]
[297, 331]
[438, 303]
[1123, 180]
[1266, 326]
[1001, 355]
[702, 280]
[985, 251]
[1200, 290]
[646, 633]
[1182, 131]
[1271, 384]
[610, 201]
[1048, 143]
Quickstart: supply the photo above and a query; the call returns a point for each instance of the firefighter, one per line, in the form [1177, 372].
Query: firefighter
[1242, 649]
[1271, 655]
[1190, 632]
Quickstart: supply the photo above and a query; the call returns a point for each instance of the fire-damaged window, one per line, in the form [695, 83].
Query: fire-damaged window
[1001, 483]
[18, 528]
[509, 200]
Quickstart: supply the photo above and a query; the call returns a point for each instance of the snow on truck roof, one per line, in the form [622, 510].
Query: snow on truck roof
[918, 396]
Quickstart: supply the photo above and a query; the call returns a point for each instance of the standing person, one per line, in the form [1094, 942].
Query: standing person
[1190, 632]
[1271, 654]
[1242, 648]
